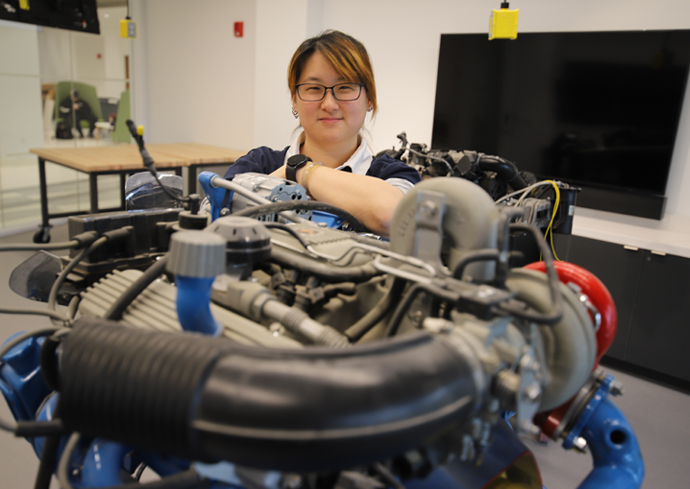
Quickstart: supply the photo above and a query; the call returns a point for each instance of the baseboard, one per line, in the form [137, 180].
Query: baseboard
[646, 374]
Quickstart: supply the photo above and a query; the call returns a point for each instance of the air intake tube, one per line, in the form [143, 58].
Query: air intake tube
[506, 171]
[210, 399]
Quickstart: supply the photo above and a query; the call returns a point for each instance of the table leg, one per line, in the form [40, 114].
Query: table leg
[43, 234]
[123, 179]
[93, 192]
[44, 192]
[191, 179]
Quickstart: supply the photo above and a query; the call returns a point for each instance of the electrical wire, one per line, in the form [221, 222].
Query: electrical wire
[290, 230]
[191, 200]
[49, 454]
[52, 297]
[30, 429]
[38, 247]
[72, 307]
[140, 470]
[188, 479]
[432, 157]
[144, 280]
[387, 476]
[376, 313]
[482, 254]
[186, 200]
[556, 313]
[34, 312]
[523, 192]
[526, 191]
[412, 293]
[553, 216]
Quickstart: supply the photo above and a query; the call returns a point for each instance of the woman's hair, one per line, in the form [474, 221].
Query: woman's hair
[348, 56]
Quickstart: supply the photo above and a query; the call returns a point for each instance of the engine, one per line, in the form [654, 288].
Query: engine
[284, 353]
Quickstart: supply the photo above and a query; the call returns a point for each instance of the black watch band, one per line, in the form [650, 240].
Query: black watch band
[294, 163]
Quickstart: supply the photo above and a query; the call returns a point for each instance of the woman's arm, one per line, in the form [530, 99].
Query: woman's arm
[369, 199]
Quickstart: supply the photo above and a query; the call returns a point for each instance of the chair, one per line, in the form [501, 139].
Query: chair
[121, 132]
[86, 92]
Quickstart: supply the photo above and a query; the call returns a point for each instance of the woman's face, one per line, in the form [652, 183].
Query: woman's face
[329, 121]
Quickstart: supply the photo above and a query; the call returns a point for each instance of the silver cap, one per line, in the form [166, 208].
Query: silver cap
[196, 254]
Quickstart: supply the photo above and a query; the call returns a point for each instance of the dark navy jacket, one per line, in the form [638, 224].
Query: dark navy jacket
[265, 160]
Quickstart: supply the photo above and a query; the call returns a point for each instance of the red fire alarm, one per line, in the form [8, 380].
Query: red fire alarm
[239, 29]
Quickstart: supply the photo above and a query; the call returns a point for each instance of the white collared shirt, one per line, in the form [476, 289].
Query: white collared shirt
[358, 163]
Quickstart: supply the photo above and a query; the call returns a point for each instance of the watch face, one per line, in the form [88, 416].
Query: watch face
[296, 161]
[293, 164]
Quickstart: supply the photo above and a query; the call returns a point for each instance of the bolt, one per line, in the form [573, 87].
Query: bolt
[616, 389]
[276, 329]
[579, 444]
[429, 207]
[530, 430]
[532, 392]
[488, 291]
[467, 452]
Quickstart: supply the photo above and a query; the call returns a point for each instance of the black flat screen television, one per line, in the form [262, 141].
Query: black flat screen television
[598, 110]
[75, 15]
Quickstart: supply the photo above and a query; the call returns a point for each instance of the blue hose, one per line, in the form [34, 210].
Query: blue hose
[194, 305]
[617, 459]
[615, 451]
[216, 195]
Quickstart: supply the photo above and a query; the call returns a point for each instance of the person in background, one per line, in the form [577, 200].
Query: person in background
[82, 112]
[331, 81]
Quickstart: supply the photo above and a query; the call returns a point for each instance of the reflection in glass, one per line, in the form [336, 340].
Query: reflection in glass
[40, 67]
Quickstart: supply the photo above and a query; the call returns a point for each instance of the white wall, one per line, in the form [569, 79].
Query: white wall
[21, 118]
[199, 76]
[273, 122]
[402, 37]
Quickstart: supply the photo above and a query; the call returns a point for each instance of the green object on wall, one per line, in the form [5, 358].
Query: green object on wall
[121, 133]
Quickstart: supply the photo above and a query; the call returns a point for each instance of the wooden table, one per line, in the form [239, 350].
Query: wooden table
[123, 160]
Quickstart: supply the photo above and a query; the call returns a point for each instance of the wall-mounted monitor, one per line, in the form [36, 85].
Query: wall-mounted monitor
[599, 110]
[75, 15]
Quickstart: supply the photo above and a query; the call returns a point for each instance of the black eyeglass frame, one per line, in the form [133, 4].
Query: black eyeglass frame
[326, 89]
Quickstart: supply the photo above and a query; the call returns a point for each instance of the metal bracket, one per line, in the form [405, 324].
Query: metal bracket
[429, 220]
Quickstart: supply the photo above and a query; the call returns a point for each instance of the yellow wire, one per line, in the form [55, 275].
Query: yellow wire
[553, 216]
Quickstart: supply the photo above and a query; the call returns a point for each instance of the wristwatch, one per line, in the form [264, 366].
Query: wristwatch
[294, 163]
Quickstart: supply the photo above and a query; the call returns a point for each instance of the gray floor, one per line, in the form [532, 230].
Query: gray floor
[658, 414]
[659, 417]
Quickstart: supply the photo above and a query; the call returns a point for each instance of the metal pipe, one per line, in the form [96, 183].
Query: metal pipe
[217, 181]
[615, 451]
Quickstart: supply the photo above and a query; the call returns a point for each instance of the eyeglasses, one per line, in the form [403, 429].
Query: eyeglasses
[344, 92]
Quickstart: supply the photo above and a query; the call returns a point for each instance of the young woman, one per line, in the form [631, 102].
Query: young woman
[332, 85]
